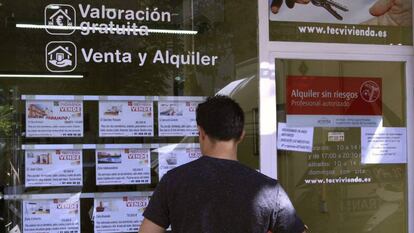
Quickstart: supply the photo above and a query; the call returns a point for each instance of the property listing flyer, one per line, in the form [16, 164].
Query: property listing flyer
[123, 214]
[49, 118]
[51, 216]
[316, 101]
[169, 159]
[177, 118]
[126, 119]
[123, 166]
[46, 168]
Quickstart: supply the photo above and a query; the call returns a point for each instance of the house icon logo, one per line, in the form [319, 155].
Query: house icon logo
[60, 19]
[61, 56]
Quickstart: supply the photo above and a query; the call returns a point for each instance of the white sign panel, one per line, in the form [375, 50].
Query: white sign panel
[126, 119]
[53, 168]
[122, 214]
[383, 145]
[123, 166]
[177, 118]
[169, 159]
[333, 121]
[51, 216]
[48, 118]
[294, 138]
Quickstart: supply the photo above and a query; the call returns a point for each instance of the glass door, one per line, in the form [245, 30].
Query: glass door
[342, 143]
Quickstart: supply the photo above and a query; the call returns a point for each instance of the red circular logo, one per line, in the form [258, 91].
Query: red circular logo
[370, 91]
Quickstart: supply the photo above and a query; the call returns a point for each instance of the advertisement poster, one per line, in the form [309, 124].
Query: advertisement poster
[123, 166]
[341, 21]
[169, 159]
[333, 101]
[51, 216]
[177, 118]
[294, 139]
[126, 119]
[45, 168]
[383, 145]
[123, 214]
[48, 118]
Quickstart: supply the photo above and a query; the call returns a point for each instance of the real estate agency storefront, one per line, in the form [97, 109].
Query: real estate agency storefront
[98, 98]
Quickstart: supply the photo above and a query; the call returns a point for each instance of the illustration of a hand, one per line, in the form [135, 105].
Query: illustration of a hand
[391, 13]
[276, 4]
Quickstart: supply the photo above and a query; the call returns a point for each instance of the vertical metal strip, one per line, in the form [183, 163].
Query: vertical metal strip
[267, 95]
[410, 138]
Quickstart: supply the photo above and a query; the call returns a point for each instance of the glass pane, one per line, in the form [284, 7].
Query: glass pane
[98, 83]
[346, 182]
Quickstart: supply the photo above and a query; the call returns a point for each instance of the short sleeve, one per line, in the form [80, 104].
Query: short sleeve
[284, 216]
[157, 209]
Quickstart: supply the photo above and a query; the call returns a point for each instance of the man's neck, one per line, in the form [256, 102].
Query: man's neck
[221, 149]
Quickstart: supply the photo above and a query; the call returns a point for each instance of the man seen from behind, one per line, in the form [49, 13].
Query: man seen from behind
[216, 193]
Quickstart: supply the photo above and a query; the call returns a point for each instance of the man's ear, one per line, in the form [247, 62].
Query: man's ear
[201, 133]
[242, 136]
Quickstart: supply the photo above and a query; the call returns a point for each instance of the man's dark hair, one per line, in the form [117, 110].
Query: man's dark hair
[221, 118]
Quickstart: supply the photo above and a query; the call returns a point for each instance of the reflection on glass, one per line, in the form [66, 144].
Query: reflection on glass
[331, 187]
[196, 48]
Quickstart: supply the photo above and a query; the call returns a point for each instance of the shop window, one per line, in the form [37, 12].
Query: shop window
[97, 101]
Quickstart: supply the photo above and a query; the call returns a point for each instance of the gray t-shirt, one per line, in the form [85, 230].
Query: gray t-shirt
[211, 195]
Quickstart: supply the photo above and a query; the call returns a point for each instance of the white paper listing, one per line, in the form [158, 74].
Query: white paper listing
[123, 166]
[294, 138]
[126, 119]
[48, 118]
[53, 168]
[15, 229]
[123, 214]
[177, 118]
[383, 145]
[174, 158]
[51, 216]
